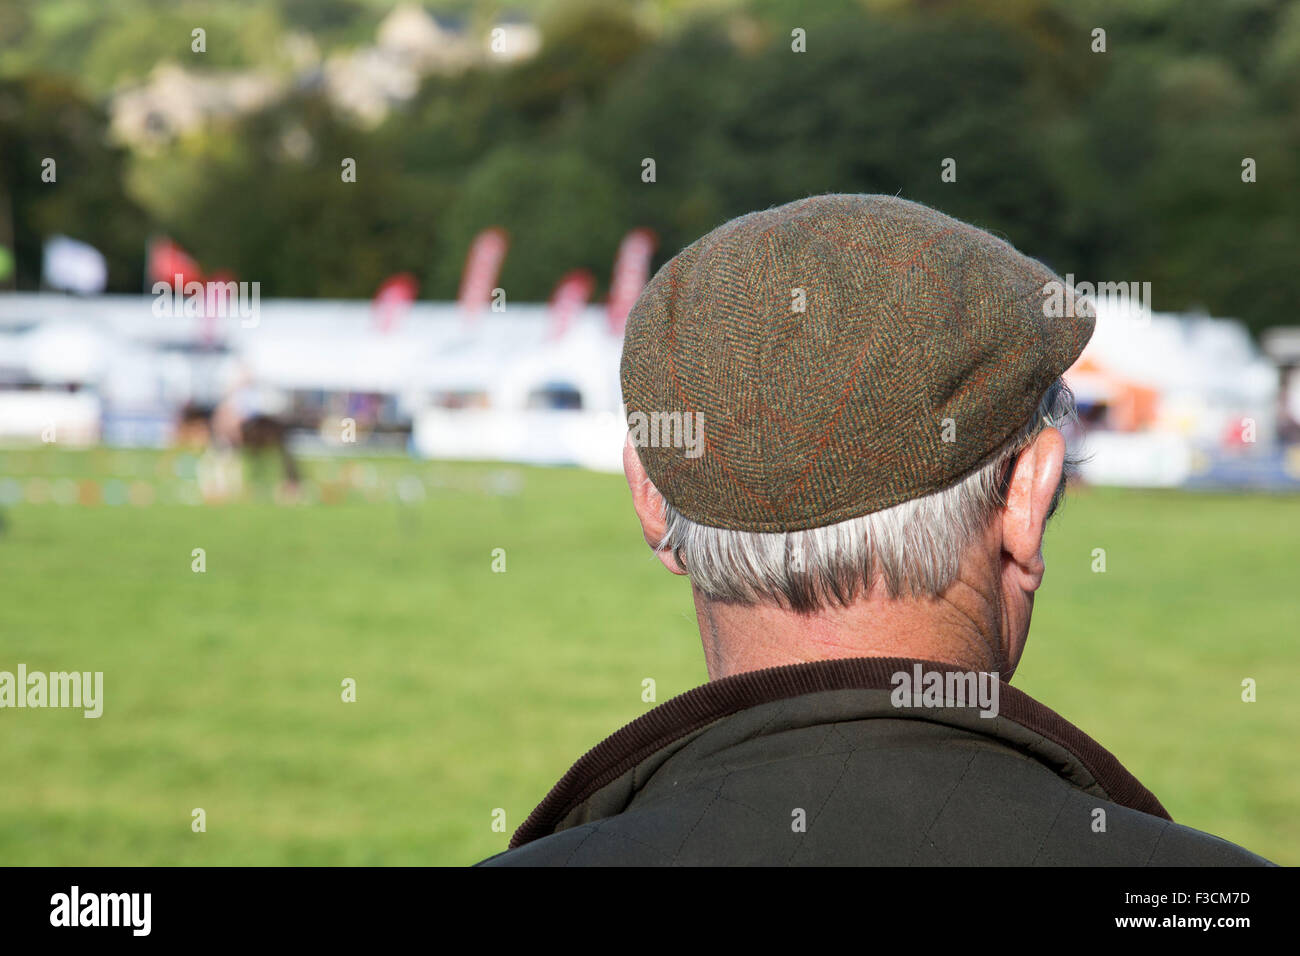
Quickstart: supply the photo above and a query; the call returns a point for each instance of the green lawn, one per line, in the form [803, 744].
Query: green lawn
[476, 690]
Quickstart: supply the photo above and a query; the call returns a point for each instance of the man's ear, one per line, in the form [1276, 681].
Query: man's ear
[1035, 476]
[649, 506]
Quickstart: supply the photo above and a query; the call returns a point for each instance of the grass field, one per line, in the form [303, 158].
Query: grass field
[476, 690]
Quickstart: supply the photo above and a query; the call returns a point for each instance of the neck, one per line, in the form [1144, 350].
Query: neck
[962, 627]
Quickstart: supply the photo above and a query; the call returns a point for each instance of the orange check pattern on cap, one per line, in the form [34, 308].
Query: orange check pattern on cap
[910, 318]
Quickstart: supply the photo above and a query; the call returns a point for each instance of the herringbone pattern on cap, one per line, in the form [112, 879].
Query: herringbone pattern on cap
[814, 417]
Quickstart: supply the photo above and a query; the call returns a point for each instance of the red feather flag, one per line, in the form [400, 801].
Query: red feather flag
[570, 295]
[482, 266]
[631, 272]
[393, 300]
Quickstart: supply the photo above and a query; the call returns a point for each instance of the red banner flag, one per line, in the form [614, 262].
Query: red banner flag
[631, 272]
[167, 261]
[570, 295]
[393, 300]
[482, 266]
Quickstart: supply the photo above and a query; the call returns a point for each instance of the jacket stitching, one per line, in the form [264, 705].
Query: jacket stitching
[947, 800]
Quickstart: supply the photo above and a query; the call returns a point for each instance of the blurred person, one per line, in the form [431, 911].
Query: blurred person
[218, 470]
[1288, 408]
[250, 418]
[844, 427]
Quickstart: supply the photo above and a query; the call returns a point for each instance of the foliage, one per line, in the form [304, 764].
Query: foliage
[1122, 165]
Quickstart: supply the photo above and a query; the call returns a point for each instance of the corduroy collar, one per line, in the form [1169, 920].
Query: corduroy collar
[704, 705]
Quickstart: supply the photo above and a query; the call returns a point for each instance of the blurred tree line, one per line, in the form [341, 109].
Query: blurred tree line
[1122, 165]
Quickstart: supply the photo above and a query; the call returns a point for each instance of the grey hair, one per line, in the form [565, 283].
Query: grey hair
[914, 548]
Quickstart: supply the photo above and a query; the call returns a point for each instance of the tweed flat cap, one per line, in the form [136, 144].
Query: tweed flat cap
[840, 355]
